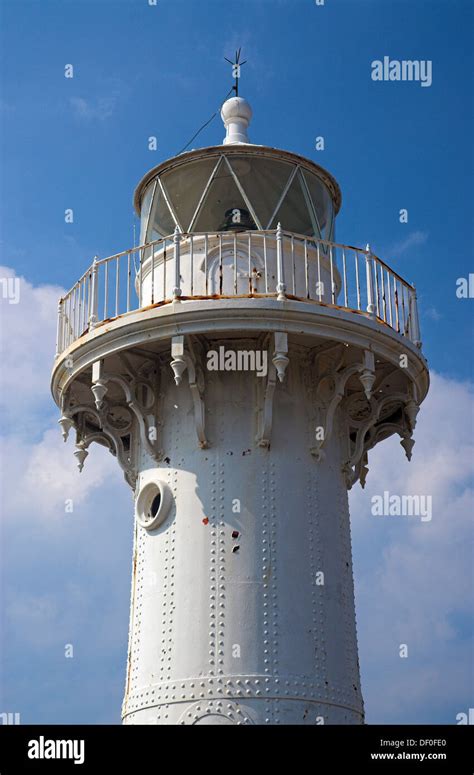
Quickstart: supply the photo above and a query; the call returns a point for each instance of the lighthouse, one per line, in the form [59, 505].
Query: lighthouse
[241, 365]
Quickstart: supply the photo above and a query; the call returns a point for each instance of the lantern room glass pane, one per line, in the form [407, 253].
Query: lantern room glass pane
[184, 186]
[161, 221]
[322, 203]
[222, 197]
[293, 213]
[263, 181]
[144, 211]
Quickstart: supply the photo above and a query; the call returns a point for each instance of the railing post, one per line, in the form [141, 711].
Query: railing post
[281, 287]
[414, 320]
[369, 267]
[94, 302]
[177, 264]
[59, 332]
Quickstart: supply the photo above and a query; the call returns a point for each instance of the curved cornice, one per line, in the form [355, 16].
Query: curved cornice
[238, 315]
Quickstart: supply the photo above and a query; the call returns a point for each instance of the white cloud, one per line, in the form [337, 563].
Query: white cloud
[28, 338]
[37, 468]
[100, 109]
[433, 314]
[40, 477]
[414, 580]
[412, 240]
[113, 91]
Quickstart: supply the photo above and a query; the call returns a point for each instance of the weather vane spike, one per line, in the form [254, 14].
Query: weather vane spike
[236, 70]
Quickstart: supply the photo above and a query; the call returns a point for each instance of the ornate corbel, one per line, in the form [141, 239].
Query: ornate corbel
[107, 435]
[326, 410]
[276, 370]
[339, 377]
[145, 421]
[368, 433]
[115, 423]
[265, 414]
[412, 407]
[182, 360]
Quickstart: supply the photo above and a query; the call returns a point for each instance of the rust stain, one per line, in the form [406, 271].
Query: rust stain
[217, 296]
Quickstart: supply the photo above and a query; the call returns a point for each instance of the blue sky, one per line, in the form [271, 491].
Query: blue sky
[81, 143]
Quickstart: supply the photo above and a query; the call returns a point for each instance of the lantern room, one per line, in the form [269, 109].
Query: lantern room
[219, 188]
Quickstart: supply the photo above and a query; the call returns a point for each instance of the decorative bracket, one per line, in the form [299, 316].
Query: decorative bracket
[106, 435]
[327, 409]
[276, 369]
[116, 422]
[280, 355]
[367, 373]
[178, 362]
[369, 432]
[266, 413]
[143, 419]
[182, 360]
[99, 385]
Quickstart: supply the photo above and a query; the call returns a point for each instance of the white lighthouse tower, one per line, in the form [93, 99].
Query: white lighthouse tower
[240, 364]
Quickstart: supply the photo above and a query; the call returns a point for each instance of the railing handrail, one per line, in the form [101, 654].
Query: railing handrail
[184, 235]
[292, 265]
[393, 272]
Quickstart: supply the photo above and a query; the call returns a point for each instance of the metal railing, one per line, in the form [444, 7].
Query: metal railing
[253, 263]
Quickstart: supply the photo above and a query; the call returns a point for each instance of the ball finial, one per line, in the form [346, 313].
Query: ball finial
[236, 114]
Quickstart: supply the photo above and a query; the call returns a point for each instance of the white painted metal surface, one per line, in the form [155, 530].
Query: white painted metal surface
[243, 602]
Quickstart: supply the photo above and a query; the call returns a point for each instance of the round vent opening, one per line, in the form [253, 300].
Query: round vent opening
[153, 504]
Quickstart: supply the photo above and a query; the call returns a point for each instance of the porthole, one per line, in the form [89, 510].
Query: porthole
[153, 504]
